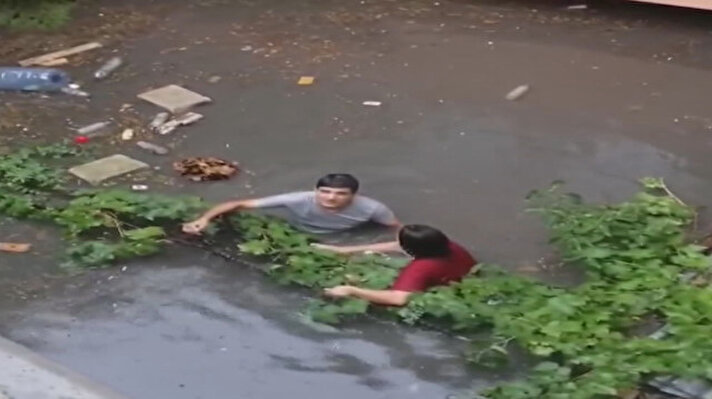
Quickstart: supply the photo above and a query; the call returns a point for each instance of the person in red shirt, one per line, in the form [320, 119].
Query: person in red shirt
[437, 261]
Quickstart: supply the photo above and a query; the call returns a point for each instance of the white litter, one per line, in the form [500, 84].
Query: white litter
[517, 93]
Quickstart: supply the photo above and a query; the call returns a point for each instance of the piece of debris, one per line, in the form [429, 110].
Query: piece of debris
[60, 54]
[54, 62]
[127, 134]
[577, 7]
[154, 148]
[305, 81]
[372, 103]
[158, 120]
[74, 92]
[14, 247]
[139, 187]
[246, 48]
[517, 93]
[174, 98]
[204, 169]
[102, 169]
[33, 79]
[185, 119]
[81, 139]
[94, 127]
[214, 79]
[109, 67]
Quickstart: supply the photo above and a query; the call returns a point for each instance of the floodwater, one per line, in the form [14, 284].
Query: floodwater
[617, 93]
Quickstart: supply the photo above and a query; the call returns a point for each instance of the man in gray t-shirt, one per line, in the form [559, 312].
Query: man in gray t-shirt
[334, 206]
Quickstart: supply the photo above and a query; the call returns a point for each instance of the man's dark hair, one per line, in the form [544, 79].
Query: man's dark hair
[339, 180]
[422, 241]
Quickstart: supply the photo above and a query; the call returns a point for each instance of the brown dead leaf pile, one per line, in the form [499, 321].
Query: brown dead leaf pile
[206, 168]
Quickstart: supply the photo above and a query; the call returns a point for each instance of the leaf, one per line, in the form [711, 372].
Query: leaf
[255, 247]
[146, 233]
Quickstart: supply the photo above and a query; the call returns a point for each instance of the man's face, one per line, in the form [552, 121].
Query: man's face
[334, 198]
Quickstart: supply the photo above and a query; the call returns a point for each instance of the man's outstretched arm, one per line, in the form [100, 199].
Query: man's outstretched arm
[389, 246]
[380, 297]
[199, 224]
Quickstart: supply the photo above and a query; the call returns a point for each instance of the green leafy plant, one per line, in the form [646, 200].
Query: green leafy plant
[586, 339]
[100, 226]
[35, 14]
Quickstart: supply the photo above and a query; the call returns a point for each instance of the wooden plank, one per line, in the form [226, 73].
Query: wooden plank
[701, 4]
[60, 54]
[54, 62]
[14, 247]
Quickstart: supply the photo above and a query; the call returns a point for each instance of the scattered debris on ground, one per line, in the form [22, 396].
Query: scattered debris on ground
[127, 134]
[14, 247]
[54, 62]
[153, 148]
[158, 120]
[174, 98]
[139, 187]
[33, 79]
[205, 169]
[108, 67]
[185, 119]
[94, 127]
[102, 169]
[39, 60]
[517, 93]
[305, 81]
[372, 103]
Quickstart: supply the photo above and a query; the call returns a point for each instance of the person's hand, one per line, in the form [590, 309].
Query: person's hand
[340, 291]
[331, 248]
[196, 226]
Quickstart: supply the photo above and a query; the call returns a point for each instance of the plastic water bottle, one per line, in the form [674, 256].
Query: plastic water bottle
[109, 67]
[94, 127]
[158, 120]
[33, 79]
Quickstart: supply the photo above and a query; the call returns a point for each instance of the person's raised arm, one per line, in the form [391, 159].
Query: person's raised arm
[199, 224]
[380, 297]
[274, 201]
[390, 246]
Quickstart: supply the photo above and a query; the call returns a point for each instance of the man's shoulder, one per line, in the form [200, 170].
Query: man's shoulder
[285, 199]
[368, 203]
[303, 194]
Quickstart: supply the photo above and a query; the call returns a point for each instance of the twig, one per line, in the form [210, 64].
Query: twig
[116, 222]
[671, 194]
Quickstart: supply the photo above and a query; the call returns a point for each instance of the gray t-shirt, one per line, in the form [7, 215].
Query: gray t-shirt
[309, 216]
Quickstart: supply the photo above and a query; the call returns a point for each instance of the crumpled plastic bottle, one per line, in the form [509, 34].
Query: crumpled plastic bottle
[33, 79]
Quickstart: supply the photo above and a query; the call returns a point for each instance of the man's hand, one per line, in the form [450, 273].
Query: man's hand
[340, 291]
[196, 226]
[332, 248]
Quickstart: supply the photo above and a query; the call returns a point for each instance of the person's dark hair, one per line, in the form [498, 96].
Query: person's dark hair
[422, 241]
[339, 180]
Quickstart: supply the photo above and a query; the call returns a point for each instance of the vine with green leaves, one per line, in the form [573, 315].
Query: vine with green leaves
[35, 14]
[589, 340]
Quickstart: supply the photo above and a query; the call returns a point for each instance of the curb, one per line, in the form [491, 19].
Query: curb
[25, 374]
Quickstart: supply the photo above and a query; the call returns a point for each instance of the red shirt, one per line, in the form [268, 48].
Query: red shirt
[423, 273]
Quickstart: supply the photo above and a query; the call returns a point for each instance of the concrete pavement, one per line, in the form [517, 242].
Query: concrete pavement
[26, 375]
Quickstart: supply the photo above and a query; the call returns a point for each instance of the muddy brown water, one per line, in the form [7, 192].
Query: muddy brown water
[618, 92]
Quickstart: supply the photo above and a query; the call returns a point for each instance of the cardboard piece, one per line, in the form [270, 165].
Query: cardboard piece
[102, 169]
[174, 98]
